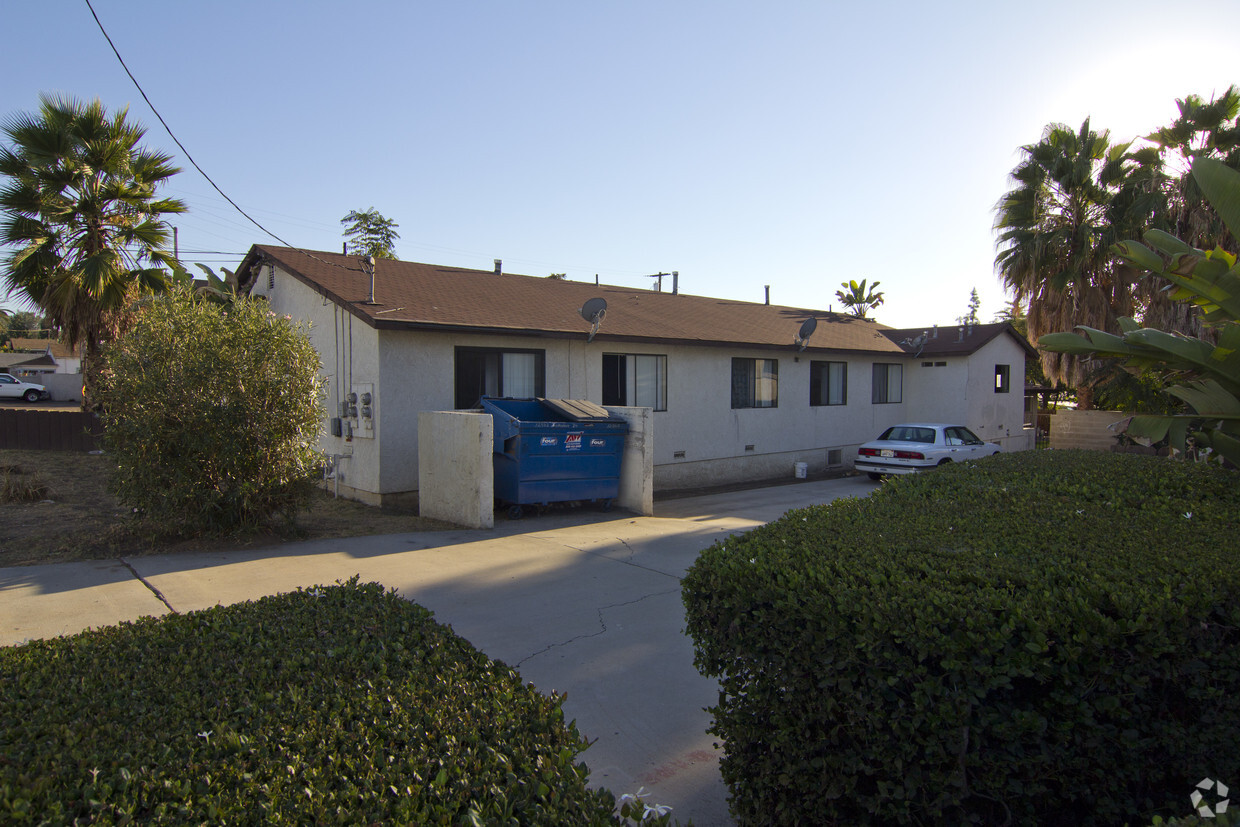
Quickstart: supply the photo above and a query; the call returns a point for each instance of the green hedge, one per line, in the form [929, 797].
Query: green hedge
[1046, 637]
[340, 705]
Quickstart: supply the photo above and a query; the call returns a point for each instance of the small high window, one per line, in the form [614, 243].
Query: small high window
[1002, 378]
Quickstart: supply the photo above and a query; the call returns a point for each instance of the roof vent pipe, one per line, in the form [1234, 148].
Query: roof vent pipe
[768, 294]
[675, 282]
[499, 266]
[368, 266]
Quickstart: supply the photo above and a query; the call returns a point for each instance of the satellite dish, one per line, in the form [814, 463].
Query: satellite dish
[593, 312]
[807, 329]
[919, 343]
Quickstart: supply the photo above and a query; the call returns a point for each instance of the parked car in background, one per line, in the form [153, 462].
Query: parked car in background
[919, 446]
[13, 388]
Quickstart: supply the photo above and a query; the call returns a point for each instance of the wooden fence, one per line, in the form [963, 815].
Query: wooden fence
[54, 430]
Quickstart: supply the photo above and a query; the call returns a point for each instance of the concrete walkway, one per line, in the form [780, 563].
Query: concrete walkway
[580, 603]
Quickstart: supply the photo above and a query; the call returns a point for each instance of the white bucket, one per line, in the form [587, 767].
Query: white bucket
[800, 470]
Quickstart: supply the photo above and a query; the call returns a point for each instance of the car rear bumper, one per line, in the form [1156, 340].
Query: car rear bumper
[870, 466]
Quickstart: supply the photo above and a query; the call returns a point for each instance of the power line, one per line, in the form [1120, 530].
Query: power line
[234, 204]
[189, 157]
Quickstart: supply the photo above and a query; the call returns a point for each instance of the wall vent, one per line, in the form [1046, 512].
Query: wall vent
[678, 455]
[835, 456]
[748, 447]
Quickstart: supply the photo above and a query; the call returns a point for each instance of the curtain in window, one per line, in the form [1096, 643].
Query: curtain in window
[519, 375]
[646, 382]
[836, 374]
[766, 386]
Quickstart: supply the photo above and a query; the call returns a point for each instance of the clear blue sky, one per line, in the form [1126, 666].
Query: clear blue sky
[795, 144]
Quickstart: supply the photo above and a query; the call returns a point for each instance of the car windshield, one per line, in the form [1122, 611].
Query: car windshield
[906, 433]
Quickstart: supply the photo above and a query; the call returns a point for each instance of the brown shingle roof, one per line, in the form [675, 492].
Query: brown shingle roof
[427, 296]
[955, 340]
[26, 360]
[59, 349]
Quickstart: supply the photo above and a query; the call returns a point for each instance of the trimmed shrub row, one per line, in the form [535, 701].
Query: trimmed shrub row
[1044, 637]
[340, 705]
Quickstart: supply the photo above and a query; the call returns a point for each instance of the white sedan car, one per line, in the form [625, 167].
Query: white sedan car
[13, 388]
[919, 446]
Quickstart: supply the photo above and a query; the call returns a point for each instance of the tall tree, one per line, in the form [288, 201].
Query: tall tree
[82, 221]
[1054, 230]
[23, 324]
[1075, 194]
[368, 233]
[975, 304]
[858, 299]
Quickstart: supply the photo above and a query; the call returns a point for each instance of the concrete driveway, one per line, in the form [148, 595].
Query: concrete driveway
[580, 603]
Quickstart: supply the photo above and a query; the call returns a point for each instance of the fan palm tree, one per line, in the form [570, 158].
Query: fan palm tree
[1055, 228]
[81, 218]
[858, 299]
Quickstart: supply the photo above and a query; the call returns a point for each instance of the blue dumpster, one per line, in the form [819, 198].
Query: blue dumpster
[555, 450]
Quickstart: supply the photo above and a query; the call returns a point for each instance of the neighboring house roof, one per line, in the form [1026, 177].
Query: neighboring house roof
[26, 360]
[416, 296]
[59, 349]
[953, 341]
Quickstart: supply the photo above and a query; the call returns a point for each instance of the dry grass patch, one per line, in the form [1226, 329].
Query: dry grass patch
[75, 517]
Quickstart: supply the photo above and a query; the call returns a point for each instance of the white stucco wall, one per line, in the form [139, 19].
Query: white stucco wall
[348, 350]
[963, 391]
[701, 423]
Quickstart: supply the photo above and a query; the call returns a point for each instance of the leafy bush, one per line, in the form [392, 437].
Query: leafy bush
[1046, 637]
[212, 413]
[340, 705]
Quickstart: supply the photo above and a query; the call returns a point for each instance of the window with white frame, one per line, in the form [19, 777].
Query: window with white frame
[635, 379]
[495, 372]
[755, 383]
[888, 379]
[828, 383]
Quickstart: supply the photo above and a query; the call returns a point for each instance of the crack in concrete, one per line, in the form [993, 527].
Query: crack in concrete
[601, 622]
[149, 585]
[629, 562]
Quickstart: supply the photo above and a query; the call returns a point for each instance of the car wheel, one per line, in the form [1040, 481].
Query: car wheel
[874, 475]
[32, 396]
[945, 462]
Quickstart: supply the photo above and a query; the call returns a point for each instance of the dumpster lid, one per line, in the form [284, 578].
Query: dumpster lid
[579, 410]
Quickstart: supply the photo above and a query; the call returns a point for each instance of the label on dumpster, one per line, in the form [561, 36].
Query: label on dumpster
[572, 442]
[595, 442]
[549, 440]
